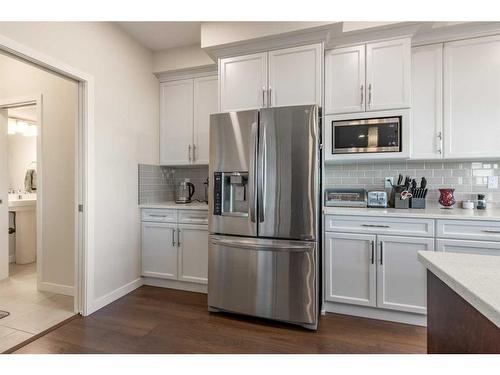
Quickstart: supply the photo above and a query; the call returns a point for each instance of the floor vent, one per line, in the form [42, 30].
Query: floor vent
[3, 314]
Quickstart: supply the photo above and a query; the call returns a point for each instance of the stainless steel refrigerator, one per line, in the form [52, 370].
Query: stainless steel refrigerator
[264, 213]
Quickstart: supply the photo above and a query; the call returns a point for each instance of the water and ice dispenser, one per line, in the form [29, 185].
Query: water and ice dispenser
[231, 193]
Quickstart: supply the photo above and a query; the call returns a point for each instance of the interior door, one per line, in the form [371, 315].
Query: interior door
[288, 173]
[4, 199]
[295, 76]
[176, 122]
[345, 80]
[205, 103]
[401, 278]
[350, 271]
[243, 82]
[388, 74]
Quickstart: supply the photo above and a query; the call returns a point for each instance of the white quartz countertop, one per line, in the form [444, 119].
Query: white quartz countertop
[177, 206]
[476, 278]
[432, 213]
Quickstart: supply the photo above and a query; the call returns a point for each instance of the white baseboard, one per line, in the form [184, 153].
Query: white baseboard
[375, 313]
[175, 284]
[12, 258]
[67, 290]
[114, 295]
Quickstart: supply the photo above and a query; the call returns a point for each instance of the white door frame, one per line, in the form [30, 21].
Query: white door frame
[84, 221]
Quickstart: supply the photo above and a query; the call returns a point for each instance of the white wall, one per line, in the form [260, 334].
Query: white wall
[126, 133]
[22, 152]
[219, 33]
[180, 58]
[59, 118]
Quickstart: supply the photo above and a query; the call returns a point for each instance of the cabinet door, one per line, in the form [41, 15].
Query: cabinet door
[176, 122]
[205, 103]
[295, 76]
[159, 250]
[345, 80]
[349, 268]
[468, 247]
[388, 76]
[401, 278]
[193, 253]
[472, 98]
[427, 102]
[243, 82]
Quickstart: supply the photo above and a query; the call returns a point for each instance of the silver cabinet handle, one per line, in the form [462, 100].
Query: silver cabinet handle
[373, 252]
[381, 253]
[370, 95]
[173, 237]
[491, 231]
[362, 94]
[440, 142]
[270, 95]
[189, 153]
[263, 96]
[375, 226]
[155, 215]
[194, 153]
[178, 237]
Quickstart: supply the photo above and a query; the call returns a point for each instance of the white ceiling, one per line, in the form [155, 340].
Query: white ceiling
[162, 35]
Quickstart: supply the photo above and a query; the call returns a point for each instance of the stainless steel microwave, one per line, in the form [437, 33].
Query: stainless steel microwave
[382, 134]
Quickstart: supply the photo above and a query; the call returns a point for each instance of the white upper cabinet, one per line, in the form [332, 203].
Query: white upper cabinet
[427, 102]
[205, 103]
[388, 76]
[295, 76]
[243, 82]
[472, 98]
[185, 110]
[290, 76]
[176, 122]
[345, 80]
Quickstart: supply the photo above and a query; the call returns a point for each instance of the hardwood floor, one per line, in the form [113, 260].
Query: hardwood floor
[157, 320]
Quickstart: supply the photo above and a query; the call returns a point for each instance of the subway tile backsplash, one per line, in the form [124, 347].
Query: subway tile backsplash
[467, 178]
[158, 183]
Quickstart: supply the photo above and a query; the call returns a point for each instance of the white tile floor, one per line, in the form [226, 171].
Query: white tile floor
[31, 311]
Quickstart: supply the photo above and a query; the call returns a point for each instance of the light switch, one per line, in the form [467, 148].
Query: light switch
[492, 182]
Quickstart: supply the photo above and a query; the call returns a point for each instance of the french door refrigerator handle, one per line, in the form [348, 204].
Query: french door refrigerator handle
[262, 171]
[253, 173]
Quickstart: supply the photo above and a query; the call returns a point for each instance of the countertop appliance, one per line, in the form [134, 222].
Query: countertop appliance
[185, 191]
[367, 135]
[345, 197]
[377, 199]
[264, 213]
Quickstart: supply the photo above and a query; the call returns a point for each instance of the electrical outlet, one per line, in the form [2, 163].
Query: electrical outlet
[492, 182]
[388, 182]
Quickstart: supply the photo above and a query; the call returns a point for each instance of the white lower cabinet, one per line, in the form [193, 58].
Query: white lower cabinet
[401, 278]
[350, 268]
[193, 254]
[468, 247]
[175, 250]
[159, 250]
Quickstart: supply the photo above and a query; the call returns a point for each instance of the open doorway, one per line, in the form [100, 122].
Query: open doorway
[38, 138]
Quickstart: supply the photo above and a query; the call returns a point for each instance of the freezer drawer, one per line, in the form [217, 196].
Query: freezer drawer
[267, 278]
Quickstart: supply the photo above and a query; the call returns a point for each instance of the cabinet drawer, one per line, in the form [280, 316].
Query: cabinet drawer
[376, 225]
[469, 229]
[468, 247]
[193, 216]
[159, 215]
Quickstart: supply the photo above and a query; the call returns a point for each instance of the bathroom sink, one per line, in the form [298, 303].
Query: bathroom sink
[23, 201]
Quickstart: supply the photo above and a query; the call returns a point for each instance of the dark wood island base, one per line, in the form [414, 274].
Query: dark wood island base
[454, 326]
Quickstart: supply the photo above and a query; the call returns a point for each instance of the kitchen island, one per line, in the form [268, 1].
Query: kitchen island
[463, 302]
